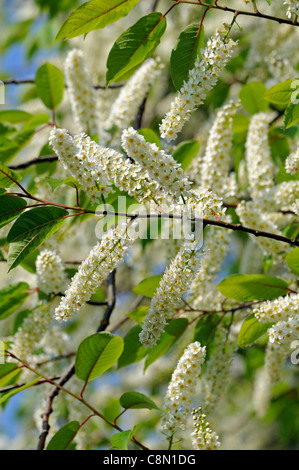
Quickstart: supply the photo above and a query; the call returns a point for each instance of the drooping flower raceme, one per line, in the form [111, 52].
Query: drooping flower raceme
[251, 216]
[82, 93]
[30, 334]
[170, 178]
[292, 8]
[260, 166]
[285, 194]
[216, 161]
[292, 162]
[125, 175]
[161, 166]
[202, 292]
[126, 106]
[51, 277]
[181, 389]
[284, 311]
[102, 259]
[72, 152]
[202, 78]
[278, 309]
[168, 296]
[203, 438]
[217, 371]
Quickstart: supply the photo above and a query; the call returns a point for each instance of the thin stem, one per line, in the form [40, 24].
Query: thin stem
[256, 14]
[34, 161]
[31, 81]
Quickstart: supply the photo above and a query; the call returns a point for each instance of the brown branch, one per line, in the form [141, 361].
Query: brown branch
[34, 161]
[111, 300]
[22, 81]
[28, 81]
[255, 14]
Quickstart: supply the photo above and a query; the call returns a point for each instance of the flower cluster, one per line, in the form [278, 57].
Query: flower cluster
[279, 309]
[202, 78]
[284, 313]
[73, 153]
[284, 331]
[102, 259]
[217, 371]
[181, 388]
[51, 277]
[82, 94]
[30, 334]
[292, 162]
[292, 8]
[206, 204]
[168, 296]
[260, 166]
[217, 159]
[285, 194]
[126, 106]
[203, 438]
[203, 293]
[251, 216]
[160, 166]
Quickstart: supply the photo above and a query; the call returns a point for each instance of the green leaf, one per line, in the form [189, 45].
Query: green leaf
[7, 176]
[93, 15]
[148, 286]
[291, 115]
[14, 116]
[282, 92]
[251, 330]
[136, 400]
[36, 121]
[122, 439]
[5, 396]
[96, 354]
[133, 350]
[134, 46]
[29, 263]
[63, 438]
[20, 317]
[249, 287]
[293, 260]
[171, 334]
[139, 313]
[7, 372]
[55, 183]
[185, 151]
[9, 148]
[240, 124]
[31, 229]
[10, 208]
[252, 97]
[282, 175]
[150, 136]
[184, 53]
[12, 297]
[49, 82]
[204, 328]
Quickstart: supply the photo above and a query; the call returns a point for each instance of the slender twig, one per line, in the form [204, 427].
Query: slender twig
[34, 161]
[28, 81]
[111, 300]
[9, 388]
[256, 14]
